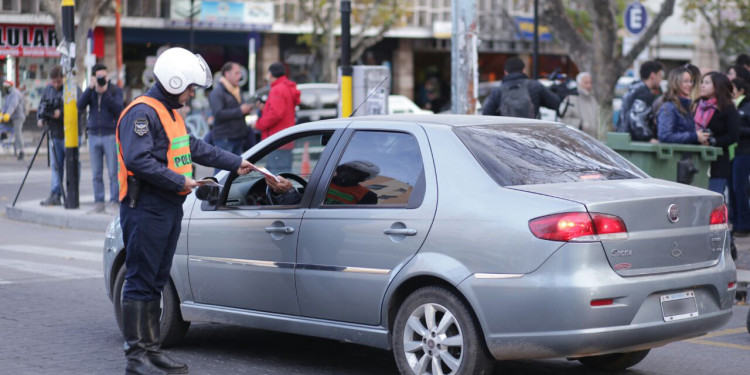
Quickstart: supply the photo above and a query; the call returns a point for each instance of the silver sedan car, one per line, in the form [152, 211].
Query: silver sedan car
[453, 241]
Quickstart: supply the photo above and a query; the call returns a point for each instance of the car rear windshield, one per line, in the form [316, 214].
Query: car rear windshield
[532, 154]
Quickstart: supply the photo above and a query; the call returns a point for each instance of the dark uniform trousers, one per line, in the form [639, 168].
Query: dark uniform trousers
[150, 232]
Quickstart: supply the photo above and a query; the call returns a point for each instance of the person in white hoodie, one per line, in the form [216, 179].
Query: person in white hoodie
[14, 110]
[582, 110]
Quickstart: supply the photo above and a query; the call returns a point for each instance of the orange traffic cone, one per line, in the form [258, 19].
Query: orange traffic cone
[305, 167]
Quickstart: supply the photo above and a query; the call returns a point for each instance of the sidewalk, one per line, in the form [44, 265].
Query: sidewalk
[59, 216]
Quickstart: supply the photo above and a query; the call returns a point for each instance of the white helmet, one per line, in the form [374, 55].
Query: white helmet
[178, 68]
[370, 169]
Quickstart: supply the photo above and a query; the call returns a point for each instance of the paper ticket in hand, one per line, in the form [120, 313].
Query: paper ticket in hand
[208, 182]
[266, 173]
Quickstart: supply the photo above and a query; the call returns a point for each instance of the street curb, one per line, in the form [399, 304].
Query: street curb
[32, 212]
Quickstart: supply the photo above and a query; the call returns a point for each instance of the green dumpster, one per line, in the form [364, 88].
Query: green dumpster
[660, 160]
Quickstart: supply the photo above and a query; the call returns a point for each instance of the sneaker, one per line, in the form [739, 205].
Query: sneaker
[53, 200]
[98, 208]
[20, 156]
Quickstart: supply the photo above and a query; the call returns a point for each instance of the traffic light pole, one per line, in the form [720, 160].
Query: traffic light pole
[70, 106]
[346, 67]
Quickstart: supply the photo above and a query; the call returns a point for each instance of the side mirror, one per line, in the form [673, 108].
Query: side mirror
[208, 193]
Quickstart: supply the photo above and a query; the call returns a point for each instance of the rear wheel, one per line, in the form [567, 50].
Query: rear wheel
[614, 361]
[435, 333]
[172, 327]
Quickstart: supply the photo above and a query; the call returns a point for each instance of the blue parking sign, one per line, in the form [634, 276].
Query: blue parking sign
[635, 18]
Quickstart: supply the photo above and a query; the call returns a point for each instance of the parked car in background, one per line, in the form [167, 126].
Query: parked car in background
[398, 104]
[542, 242]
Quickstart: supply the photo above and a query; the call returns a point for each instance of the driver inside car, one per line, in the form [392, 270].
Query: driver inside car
[345, 186]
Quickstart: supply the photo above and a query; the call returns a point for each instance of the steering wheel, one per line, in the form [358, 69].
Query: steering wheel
[288, 176]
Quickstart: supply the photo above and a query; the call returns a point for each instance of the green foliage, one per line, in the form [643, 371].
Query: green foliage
[726, 18]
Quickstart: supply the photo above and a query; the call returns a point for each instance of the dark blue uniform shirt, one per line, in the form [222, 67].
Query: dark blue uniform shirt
[145, 153]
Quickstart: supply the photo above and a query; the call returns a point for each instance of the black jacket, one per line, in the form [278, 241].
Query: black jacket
[743, 148]
[52, 99]
[104, 109]
[229, 122]
[636, 116]
[540, 96]
[725, 128]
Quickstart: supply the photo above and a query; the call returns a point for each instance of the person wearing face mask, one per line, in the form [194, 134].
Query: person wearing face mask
[104, 101]
[582, 110]
[14, 110]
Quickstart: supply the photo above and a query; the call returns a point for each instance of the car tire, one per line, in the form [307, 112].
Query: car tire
[172, 328]
[748, 322]
[614, 361]
[455, 335]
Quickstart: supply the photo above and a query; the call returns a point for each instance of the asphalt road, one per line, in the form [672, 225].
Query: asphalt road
[55, 318]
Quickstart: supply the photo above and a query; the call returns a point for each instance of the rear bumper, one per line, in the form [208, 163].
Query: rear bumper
[548, 313]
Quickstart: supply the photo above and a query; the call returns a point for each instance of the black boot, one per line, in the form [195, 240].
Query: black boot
[52, 200]
[134, 326]
[153, 345]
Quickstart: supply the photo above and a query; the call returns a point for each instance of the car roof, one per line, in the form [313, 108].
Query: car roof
[450, 120]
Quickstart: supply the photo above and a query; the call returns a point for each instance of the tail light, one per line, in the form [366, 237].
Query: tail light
[718, 219]
[579, 226]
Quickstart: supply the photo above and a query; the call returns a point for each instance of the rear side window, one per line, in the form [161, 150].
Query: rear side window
[542, 154]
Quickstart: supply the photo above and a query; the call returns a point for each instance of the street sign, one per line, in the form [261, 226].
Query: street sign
[636, 18]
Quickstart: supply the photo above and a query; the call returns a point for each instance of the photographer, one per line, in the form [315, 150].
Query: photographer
[50, 115]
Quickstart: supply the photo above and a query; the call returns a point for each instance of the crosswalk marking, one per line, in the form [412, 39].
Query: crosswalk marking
[49, 270]
[53, 252]
[97, 244]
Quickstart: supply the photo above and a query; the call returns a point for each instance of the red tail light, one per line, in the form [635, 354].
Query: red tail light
[578, 226]
[718, 219]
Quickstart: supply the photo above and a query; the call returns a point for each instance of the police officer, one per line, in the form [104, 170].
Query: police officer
[155, 175]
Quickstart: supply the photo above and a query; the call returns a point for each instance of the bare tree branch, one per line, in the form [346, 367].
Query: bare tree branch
[553, 14]
[667, 7]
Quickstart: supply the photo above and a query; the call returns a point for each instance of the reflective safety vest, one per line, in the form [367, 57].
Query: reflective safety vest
[178, 153]
[345, 194]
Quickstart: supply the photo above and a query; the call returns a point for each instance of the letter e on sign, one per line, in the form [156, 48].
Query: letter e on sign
[636, 18]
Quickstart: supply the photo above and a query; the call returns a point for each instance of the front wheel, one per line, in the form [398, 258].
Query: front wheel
[614, 361]
[172, 327]
[435, 333]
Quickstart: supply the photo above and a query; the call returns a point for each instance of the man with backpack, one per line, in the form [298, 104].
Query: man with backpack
[636, 116]
[519, 96]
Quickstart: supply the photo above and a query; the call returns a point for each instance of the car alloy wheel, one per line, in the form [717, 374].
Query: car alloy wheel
[434, 333]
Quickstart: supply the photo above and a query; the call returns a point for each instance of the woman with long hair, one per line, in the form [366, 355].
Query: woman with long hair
[741, 164]
[715, 112]
[674, 120]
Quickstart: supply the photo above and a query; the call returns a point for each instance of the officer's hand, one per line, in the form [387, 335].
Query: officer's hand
[189, 184]
[245, 168]
[279, 187]
[56, 114]
[246, 108]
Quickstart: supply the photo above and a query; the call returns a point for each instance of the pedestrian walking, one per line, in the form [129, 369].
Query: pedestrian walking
[582, 110]
[14, 110]
[715, 112]
[155, 175]
[674, 121]
[519, 96]
[104, 102]
[50, 115]
[277, 114]
[636, 115]
[741, 163]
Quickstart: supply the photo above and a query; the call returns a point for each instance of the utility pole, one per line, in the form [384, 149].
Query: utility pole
[465, 26]
[535, 61]
[70, 107]
[346, 67]
[118, 44]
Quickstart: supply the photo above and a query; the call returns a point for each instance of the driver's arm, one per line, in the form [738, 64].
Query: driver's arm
[288, 195]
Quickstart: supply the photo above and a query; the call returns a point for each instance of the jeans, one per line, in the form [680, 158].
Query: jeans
[717, 185]
[57, 161]
[104, 147]
[18, 134]
[739, 201]
[232, 145]
[279, 161]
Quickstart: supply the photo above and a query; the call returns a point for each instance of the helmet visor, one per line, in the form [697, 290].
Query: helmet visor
[209, 78]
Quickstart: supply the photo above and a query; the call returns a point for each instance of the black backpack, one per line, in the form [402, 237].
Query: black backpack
[515, 100]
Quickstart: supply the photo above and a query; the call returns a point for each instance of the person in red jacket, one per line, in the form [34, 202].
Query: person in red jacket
[278, 113]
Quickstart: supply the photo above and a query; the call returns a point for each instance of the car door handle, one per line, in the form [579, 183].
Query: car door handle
[284, 230]
[401, 231]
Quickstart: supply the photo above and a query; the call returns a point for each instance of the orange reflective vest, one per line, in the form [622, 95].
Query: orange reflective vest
[178, 153]
[345, 194]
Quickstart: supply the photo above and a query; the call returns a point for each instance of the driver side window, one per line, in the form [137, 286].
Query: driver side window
[295, 160]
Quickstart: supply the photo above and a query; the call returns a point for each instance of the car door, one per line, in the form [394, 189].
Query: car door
[242, 252]
[348, 251]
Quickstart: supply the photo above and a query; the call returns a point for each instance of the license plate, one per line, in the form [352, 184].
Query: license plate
[679, 306]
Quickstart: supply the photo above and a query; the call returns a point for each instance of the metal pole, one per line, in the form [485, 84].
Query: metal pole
[192, 16]
[118, 44]
[251, 65]
[346, 67]
[465, 26]
[70, 107]
[535, 69]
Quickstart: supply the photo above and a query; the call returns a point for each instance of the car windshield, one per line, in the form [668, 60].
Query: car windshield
[543, 153]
